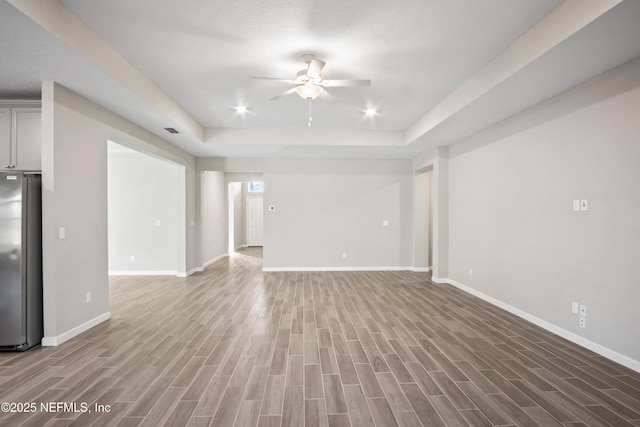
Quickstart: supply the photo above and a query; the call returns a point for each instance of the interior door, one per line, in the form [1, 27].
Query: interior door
[254, 221]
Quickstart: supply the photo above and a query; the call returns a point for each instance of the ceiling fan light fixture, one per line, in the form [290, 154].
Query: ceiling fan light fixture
[308, 91]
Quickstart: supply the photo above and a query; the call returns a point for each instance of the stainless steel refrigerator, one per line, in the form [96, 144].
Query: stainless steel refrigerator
[20, 260]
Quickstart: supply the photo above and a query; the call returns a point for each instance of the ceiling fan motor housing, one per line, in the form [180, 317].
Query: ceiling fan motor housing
[303, 77]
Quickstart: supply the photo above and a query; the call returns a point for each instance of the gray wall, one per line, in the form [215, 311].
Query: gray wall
[214, 231]
[511, 216]
[238, 213]
[74, 171]
[326, 207]
[142, 191]
[320, 216]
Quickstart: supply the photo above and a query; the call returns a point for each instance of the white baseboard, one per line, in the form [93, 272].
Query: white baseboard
[420, 269]
[439, 280]
[577, 339]
[368, 268]
[190, 272]
[144, 273]
[57, 340]
[214, 260]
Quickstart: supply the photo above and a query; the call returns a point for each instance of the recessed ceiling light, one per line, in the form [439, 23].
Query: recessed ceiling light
[241, 109]
[369, 112]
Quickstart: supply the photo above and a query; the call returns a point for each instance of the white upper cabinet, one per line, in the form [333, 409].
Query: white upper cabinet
[27, 130]
[20, 137]
[5, 137]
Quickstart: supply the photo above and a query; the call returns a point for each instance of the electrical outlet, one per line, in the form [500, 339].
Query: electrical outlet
[582, 322]
[584, 206]
[133, 258]
[88, 297]
[471, 272]
[583, 310]
[344, 255]
[385, 223]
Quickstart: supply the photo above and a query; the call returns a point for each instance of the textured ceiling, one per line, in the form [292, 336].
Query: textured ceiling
[203, 53]
[440, 70]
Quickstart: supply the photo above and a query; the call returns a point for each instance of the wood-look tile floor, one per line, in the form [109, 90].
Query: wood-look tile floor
[234, 346]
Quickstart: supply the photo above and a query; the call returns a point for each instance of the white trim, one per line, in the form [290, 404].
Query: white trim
[577, 339]
[276, 269]
[420, 269]
[56, 341]
[439, 280]
[190, 272]
[18, 103]
[214, 260]
[144, 273]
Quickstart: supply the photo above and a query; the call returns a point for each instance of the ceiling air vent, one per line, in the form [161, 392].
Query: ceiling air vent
[171, 130]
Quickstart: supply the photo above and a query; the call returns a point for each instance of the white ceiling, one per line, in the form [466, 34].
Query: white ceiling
[187, 64]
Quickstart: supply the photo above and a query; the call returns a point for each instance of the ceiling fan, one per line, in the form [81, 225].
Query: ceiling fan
[309, 83]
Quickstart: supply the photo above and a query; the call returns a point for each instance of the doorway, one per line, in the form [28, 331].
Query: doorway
[245, 225]
[146, 214]
[423, 216]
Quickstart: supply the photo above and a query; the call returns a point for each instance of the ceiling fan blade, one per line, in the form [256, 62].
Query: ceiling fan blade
[315, 68]
[285, 93]
[274, 78]
[345, 83]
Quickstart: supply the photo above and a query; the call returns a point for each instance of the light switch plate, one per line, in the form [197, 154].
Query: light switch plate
[576, 205]
[575, 307]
